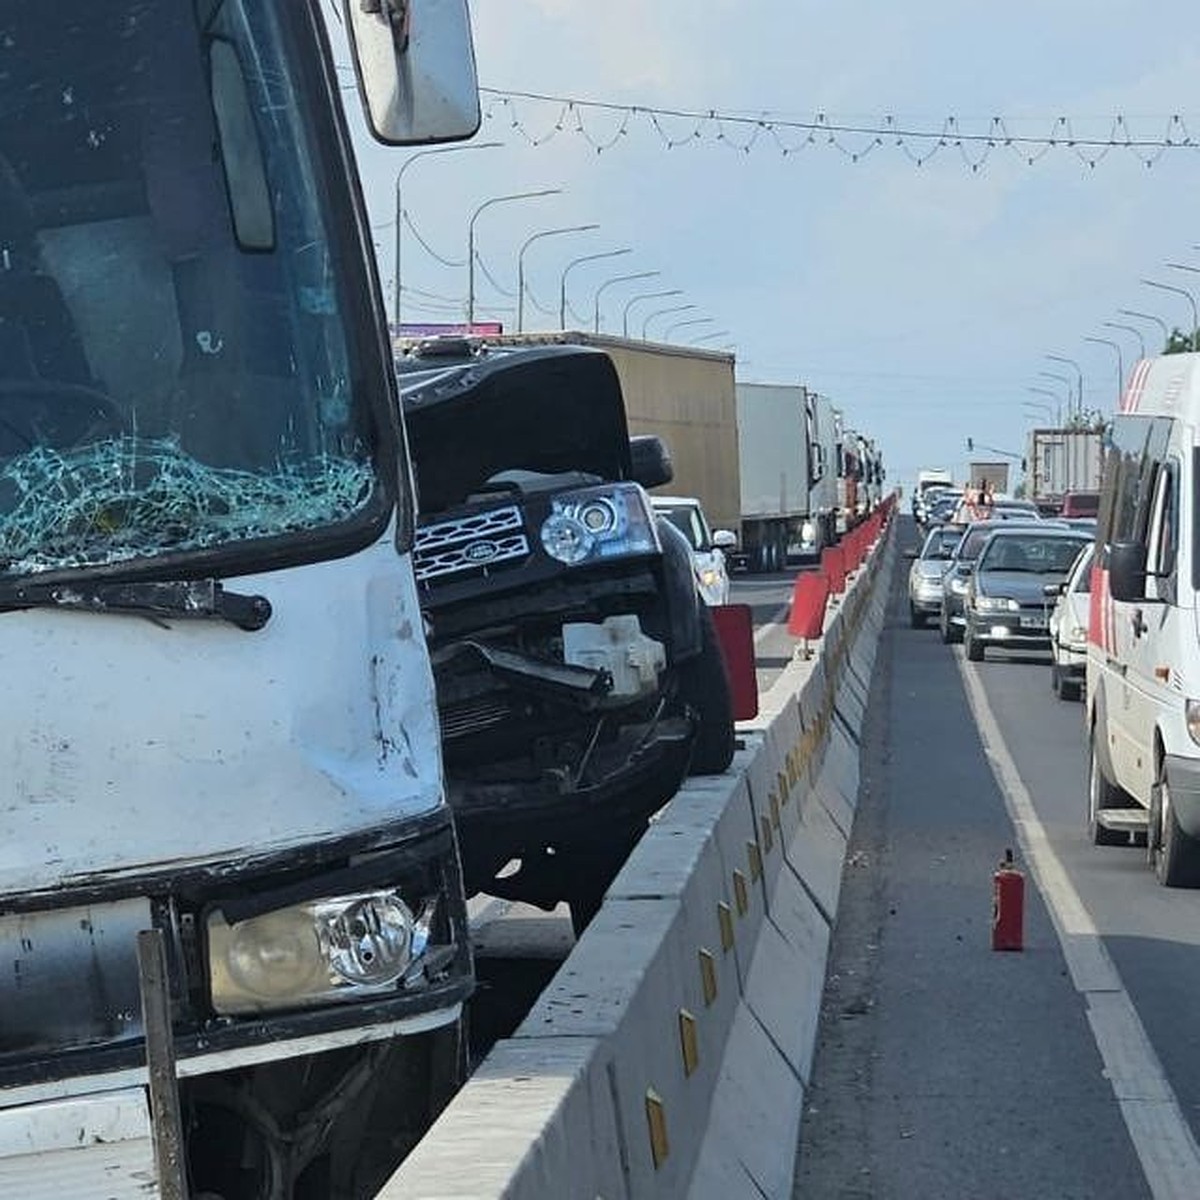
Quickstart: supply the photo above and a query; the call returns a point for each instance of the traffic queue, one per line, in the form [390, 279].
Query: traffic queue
[1112, 600]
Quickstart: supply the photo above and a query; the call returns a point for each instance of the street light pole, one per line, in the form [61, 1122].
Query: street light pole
[670, 329]
[1137, 333]
[662, 312]
[562, 284]
[471, 238]
[1170, 287]
[412, 158]
[545, 233]
[1055, 412]
[1120, 362]
[611, 283]
[1078, 373]
[1132, 312]
[643, 296]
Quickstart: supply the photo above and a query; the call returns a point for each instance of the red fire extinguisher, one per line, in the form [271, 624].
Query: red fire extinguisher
[1008, 906]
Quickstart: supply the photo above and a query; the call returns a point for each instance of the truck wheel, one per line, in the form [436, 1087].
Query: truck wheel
[1175, 856]
[704, 687]
[1102, 795]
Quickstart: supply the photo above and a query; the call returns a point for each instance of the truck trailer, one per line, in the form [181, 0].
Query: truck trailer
[1059, 461]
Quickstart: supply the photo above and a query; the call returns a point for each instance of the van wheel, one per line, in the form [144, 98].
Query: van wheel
[1102, 795]
[704, 687]
[1174, 856]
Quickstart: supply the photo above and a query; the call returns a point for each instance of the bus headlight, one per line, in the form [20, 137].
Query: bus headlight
[331, 949]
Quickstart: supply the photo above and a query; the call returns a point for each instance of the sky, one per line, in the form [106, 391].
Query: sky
[923, 299]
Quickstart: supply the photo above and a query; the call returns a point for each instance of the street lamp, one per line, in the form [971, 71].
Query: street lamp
[1056, 411]
[1078, 372]
[412, 158]
[544, 233]
[662, 312]
[471, 238]
[1120, 362]
[1132, 312]
[1137, 333]
[611, 283]
[643, 296]
[1061, 379]
[562, 285]
[670, 329]
[1195, 319]
[1170, 287]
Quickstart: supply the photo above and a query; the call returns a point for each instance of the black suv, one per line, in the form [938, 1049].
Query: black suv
[579, 677]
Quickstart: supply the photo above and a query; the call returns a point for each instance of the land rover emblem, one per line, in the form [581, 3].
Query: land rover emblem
[481, 552]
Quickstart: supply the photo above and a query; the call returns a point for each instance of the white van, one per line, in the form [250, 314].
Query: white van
[1143, 670]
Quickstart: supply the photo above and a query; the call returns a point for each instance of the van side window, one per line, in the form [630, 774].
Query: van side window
[1163, 546]
[1137, 451]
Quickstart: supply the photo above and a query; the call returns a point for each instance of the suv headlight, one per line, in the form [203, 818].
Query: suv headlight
[958, 585]
[340, 948]
[995, 604]
[598, 523]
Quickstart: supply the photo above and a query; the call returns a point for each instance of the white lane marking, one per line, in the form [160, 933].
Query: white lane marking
[1160, 1134]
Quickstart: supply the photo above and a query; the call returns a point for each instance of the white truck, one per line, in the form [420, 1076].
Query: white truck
[224, 842]
[777, 466]
[1061, 461]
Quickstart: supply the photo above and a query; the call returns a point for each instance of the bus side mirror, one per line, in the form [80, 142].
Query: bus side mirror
[1127, 571]
[415, 64]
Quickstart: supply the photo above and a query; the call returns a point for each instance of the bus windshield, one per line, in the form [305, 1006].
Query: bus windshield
[176, 371]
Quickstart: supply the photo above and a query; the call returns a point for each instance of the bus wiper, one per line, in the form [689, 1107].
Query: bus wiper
[174, 598]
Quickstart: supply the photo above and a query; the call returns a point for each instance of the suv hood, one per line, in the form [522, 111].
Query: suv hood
[543, 410]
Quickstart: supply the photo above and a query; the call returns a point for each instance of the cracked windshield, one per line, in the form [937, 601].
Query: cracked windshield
[173, 368]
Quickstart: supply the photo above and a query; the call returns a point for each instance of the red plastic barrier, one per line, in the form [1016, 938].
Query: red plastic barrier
[833, 567]
[735, 632]
[810, 594]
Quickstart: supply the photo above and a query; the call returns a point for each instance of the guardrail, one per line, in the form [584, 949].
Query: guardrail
[669, 1055]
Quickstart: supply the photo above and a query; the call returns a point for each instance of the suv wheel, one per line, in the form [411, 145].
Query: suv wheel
[704, 687]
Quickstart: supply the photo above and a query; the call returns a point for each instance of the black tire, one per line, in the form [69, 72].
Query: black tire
[973, 646]
[1056, 683]
[916, 619]
[1174, 856]
[950, 633]
[1102, 795]
[704, 687]
[1070, 689]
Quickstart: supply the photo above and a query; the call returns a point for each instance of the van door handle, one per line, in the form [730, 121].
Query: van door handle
[1139, 625]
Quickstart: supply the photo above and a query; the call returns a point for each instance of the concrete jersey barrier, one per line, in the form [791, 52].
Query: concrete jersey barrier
[669, 1055]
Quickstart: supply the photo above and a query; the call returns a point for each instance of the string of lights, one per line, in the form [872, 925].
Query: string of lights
[538, 118]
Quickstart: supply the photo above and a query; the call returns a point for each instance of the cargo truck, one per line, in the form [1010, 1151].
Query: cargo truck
[1059, 461]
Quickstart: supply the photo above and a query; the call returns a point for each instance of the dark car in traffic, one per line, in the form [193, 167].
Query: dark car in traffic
[1012, 587]
[958, 572]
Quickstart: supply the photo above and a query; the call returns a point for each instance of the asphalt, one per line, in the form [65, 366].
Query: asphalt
[945, 1070]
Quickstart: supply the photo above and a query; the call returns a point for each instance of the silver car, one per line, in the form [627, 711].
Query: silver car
[1069, 628]
[925, 575]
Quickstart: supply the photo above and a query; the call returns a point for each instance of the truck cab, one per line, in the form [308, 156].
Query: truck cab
[217, 726]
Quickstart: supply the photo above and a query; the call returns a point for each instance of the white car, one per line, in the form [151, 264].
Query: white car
[1069, 629]
[708, 547]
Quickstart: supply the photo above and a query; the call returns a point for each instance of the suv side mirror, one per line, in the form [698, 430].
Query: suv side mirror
[1127, 571]
[724, 539]
[651, 460]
